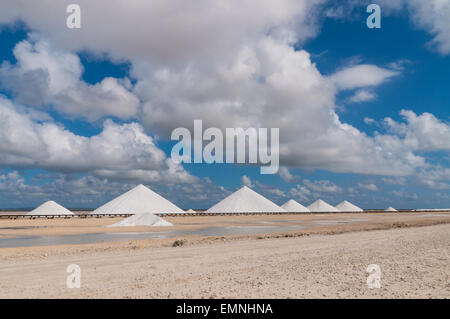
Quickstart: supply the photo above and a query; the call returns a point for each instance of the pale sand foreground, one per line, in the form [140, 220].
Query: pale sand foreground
[415, 262]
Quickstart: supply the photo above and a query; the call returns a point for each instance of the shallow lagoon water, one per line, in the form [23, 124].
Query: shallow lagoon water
[27, 241]
[339, 221]
[238, 229]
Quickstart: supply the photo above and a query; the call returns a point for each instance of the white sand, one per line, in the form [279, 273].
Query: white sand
[245, 200]
[294, 207]
[50, 208]
[346, 206]
[138, 200]
[148, 219]
[321, 206]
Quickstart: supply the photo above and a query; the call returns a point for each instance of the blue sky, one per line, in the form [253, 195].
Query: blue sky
[99, 110]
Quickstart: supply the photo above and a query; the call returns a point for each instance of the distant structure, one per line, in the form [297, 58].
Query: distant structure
[245, 200]
[292, 206]
[50, 208]
[390, 209]
[138, 200]
[346, 206]
[320, 206]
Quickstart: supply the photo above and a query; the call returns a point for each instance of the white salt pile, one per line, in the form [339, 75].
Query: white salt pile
[50, 208]
[292, 206]
[390, 209]
[346, 206]
[320, 206]
[191, 211]
[245, 200]
[144, 219]
[138, 200]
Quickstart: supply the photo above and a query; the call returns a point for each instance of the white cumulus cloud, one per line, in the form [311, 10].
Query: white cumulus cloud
[121, 151]
[45, 76]
[359, 76]
[362, 96]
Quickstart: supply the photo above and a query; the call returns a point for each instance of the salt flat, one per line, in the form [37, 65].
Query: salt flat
[414, 264]
[93, 233]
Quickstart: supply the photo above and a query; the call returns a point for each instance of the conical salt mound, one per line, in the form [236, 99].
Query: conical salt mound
[191, 211]
[346, 206]
[245, 200]
[145, 219]
[390, 209]
[292, 206]
[50, 208]
[320, 206]
[137, 201]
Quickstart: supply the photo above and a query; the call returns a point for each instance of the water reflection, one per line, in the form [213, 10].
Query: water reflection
[109, 237]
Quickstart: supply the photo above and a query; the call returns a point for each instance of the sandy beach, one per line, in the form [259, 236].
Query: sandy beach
[414, 262]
